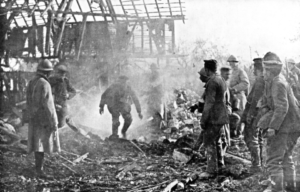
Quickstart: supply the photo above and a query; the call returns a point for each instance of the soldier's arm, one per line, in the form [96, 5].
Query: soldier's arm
[209, 101]
[244, 82]
[281, 105]
[70, 89]
[104, 97]
[48, 104]
[135, 101]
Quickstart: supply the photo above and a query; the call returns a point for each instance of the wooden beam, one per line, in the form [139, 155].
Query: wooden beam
[81, 36]
[157, 9]
[48, 33]
[61, 6]
[142, 38]
[23, 17]
[173, 38]
[57, 48]
[170, 7]
[181, 10]
[123, 9]
[131, 33]
[79, 5]
[133, 5]
[112, 11]
[149, 4]
[47, 7]
[102, 9]
[145, 6]
[91, 9]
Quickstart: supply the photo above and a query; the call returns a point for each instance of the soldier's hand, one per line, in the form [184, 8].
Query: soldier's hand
[271, 132]
[140, 116]
[101, 111]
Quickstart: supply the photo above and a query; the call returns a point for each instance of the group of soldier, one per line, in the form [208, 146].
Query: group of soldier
[269, 112]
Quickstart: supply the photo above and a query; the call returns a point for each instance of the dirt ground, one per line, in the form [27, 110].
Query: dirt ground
[124, 165]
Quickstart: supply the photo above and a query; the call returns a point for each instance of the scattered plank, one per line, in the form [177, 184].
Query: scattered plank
[66, 159]
[232, 157]
[79, 159]
[144, 154]
[68, 168]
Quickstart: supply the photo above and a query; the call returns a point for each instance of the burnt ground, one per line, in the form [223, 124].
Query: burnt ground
[121, 166]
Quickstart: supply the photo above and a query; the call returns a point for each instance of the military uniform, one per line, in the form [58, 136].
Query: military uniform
[284, 118]
[252, 133]
[62, 91]
[42, 128]
[118, 98]
[235, 115]
[214, 118]
[42, 116]
[240, 82]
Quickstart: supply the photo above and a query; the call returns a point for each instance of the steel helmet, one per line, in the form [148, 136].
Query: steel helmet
[232, 58]
[292, 61]
[45, 65]
[61, 68]
[271, 60]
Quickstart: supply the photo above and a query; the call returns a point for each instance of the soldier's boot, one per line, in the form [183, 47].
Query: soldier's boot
[115, 127]
[289, 181]
[256, 162]
[127, 123]
[39, 164]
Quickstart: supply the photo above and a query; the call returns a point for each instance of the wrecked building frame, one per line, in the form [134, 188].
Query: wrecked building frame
[110, 31]
[58, 28]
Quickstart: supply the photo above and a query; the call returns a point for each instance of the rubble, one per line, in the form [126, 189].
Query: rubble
[91, 163]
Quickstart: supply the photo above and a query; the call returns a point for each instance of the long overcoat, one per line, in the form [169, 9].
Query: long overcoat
[215, 113]
[284, 113]
[240, 82]
[42, 117]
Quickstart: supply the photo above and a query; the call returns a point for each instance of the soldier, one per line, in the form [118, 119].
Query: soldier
[235, 112]
[118, 97]
[154, 96]
[253, 137]
[42, 129]
[214, 118]
[239, 84]
[294, 77]
[62, 91]
[283, 130]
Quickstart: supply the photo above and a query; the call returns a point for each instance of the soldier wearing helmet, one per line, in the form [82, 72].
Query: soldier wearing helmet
[294, 77]
[238, 84]
[42, 129]
[118, 97]
[253, 137]
[62, 91]
[281, 124]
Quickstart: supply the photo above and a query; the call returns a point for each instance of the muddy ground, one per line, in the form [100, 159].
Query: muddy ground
[124, 165]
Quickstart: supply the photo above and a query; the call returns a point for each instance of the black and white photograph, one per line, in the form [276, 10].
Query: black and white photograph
[149, 95]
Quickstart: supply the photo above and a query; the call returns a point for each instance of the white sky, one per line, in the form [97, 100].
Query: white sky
[264, 25]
